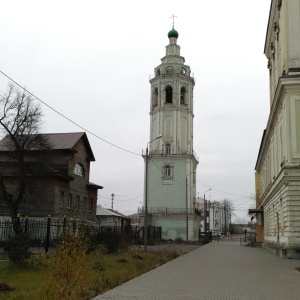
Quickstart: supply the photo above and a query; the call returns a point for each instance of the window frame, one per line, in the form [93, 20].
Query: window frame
[168, 149]
[169, 95]
[70, 201]
[155, 96]
[61, 198]
[91, 205]
[167, 171]
[79, 170]
[183, 95]
[77, 202]
[84, 203]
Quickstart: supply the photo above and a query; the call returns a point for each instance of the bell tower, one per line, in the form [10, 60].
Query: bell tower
[172, 162]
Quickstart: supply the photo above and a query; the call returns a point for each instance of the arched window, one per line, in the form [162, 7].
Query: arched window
[158, 72]
[167, 171]
[78, 169]
[182, 95]
[168, 149]
[169, 94]
[155, 96]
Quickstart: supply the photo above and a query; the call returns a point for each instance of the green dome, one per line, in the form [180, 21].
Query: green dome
[173, 33]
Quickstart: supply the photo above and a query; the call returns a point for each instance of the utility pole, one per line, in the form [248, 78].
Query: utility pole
[209, 215]
[112, 201]
[205, 216]
[213, 224]
[225, 219]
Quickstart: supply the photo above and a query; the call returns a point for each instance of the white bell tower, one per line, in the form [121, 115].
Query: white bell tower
[171, 173]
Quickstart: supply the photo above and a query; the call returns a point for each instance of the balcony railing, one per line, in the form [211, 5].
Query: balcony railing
[170, 211]
[170, 153]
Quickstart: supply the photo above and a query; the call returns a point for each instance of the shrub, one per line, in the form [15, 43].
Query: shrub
[111, 240]
[69, 267]
[17, 248]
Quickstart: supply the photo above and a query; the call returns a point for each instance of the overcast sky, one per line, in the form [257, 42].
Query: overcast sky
[91, 61]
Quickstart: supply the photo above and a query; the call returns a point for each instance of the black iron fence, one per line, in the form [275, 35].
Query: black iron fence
[246, 238]
[46, 233]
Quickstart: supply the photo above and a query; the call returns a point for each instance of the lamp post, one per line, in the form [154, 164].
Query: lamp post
[186, 206]
[146, 197]
[205, 214]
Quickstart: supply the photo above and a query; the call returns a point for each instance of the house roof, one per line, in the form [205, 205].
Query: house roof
[101, 211]
[95, 186]
[58, 141]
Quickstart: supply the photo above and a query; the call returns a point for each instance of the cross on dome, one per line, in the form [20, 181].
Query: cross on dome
[173, 20]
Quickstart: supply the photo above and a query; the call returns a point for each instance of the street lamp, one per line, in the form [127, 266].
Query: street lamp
[146, 197]
[186, 206]
[205, 214]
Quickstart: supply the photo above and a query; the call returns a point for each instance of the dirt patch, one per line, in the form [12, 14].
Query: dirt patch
[5, 288]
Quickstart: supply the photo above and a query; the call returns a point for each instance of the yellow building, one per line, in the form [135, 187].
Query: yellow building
[278, 163]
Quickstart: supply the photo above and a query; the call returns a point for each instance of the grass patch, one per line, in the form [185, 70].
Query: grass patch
[35, 279]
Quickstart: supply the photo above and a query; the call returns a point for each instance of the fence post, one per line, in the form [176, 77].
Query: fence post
[26, 225]
[74, 226]
[48, 234]
[65, 221]
[18, 224]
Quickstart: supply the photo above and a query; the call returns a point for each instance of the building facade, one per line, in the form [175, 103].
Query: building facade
[110, 217]
[278, 163]
[60, 185]
[170, 168]
[218, 216]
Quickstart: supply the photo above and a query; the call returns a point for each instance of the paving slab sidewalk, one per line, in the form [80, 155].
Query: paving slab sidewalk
[219, 270]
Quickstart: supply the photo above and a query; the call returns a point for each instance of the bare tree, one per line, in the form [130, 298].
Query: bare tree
[20, 121]
[228, 207]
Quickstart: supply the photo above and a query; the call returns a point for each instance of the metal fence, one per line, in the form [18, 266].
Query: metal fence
[46, 233]
[246, 239]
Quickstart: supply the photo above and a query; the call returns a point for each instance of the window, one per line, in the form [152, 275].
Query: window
[84, 204]
[182, 96]
[167, 171]
[61, 199]
[78, 170]
[169, 94]
[168, 149]
[91, 205]
[77, 202]
[70, 201]
[155, 96]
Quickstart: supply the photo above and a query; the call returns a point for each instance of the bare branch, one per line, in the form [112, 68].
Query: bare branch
[20, 121]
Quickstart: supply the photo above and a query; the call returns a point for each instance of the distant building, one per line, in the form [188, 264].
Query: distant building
[218, 217]
[61, 186]
[110, 217]
[171, 164]
[278, 162]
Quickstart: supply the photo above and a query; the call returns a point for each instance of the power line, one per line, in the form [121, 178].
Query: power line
[250, 198]
[116, 146]
[122, 200]
[68, 119]
[131, 198]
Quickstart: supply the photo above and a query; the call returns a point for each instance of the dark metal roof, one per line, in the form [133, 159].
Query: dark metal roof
[63, 140]
[95, 186]
[255, 211]
[58, 141]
